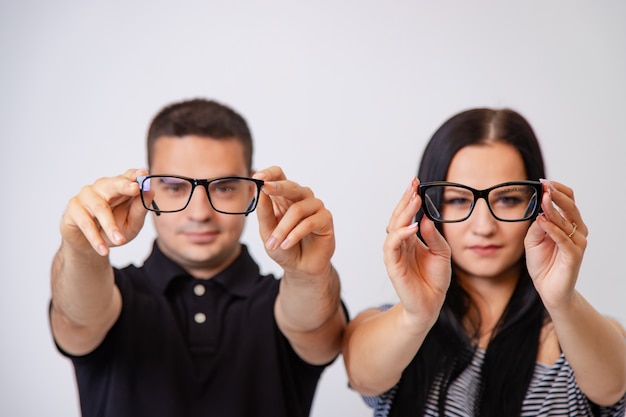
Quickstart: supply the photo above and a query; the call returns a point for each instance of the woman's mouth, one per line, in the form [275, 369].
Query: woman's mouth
[484, 250]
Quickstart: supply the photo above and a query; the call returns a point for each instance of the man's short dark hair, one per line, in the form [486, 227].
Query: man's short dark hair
[200, 117]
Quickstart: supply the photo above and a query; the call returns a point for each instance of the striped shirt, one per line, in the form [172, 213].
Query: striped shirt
[552, 392]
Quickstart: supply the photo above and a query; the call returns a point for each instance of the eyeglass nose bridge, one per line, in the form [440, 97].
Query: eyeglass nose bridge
[199, 183]
[478, 194]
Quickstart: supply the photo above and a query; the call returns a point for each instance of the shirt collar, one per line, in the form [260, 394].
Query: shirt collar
[238, 278]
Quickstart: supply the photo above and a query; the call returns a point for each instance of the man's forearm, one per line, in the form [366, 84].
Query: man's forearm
[82, 285]
[306, 303]
[309, 313]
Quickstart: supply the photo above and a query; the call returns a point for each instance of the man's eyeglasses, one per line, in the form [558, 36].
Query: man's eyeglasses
[170, 193]
[448, 202]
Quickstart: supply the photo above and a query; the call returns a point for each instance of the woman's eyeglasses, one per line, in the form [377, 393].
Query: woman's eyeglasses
[448, 202]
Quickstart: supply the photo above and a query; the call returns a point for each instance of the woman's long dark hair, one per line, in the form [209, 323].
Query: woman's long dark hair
[447, 350]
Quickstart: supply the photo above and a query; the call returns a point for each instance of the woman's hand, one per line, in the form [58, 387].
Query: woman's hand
[555, 244]
[420, 271]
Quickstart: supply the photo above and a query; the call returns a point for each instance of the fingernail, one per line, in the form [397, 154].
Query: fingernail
[102, 250]
[285, 244]
[260, 175]
[271, 243]
[548, 183]
[117, 237]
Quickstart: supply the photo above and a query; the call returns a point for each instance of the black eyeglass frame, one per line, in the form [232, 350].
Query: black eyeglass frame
[203, 183]
[484, 194]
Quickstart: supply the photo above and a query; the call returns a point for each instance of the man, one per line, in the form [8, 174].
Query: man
[196, 330]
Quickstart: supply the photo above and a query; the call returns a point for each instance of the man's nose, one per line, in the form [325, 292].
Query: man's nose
[199, 204]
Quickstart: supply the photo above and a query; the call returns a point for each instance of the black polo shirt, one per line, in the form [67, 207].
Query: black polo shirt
[189, 347]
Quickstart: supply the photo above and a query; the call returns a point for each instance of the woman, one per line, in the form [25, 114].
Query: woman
[489, 322]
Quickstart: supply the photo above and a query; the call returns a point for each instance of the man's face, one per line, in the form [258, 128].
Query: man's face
[198, 238]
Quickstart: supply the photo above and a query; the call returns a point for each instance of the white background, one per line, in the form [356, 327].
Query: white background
[342, 94]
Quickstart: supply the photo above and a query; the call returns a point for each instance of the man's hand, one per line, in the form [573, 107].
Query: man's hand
[296, 227]
[107, 213]
[298, 233]
[85, 300]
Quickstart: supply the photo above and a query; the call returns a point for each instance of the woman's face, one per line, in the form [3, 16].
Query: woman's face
[483, 247]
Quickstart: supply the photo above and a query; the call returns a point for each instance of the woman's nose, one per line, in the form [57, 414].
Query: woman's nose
[482, 220]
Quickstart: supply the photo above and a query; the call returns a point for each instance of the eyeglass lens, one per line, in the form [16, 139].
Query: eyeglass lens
[450, 203]
[228, 195]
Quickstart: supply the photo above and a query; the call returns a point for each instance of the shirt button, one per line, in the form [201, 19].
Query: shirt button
[199, 290]
[199, 318]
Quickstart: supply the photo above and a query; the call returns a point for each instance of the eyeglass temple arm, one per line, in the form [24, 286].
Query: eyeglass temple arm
[250, 207]
[260, 184]
[157, 210]
[431, 207]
